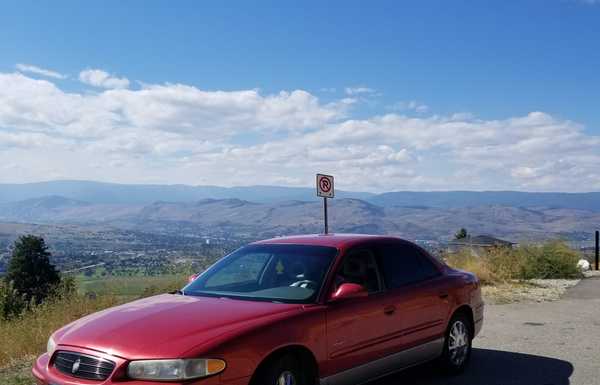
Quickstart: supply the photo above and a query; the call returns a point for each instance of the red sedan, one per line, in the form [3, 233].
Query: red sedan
[329, 309]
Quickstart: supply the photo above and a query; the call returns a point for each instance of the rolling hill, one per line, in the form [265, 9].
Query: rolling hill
[233, 217]
[130, 194]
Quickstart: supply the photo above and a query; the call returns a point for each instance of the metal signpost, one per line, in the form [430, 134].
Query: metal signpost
[325, 190]
[597, 249]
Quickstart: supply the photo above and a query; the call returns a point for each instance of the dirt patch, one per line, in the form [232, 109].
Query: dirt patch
[535, 290]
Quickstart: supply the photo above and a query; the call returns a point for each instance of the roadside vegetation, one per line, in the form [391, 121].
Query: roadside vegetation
[551, 260]
[526, 273]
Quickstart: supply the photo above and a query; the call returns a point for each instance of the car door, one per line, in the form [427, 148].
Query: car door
[357, 328]
[417, 289]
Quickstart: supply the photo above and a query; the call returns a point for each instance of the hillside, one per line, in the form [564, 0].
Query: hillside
[128, 194]
[460, 199]
[236, 218]
[113, 193]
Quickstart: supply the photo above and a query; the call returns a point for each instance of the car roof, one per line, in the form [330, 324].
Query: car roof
[339, 241]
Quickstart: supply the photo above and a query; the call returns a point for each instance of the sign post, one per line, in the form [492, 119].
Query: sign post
[597, 249]
[326, 191]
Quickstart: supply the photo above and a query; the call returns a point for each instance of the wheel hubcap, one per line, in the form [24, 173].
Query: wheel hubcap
[286, 378]
[458, 345]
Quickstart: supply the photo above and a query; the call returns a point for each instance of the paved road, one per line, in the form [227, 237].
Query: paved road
[552, 343]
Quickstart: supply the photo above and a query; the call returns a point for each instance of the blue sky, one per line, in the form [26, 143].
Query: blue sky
[482, 64]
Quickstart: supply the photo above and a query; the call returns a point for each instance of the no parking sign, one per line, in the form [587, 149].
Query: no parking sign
[325, 190]
[325, 186]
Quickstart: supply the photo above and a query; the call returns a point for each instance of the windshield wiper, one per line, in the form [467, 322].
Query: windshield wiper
[180, 292]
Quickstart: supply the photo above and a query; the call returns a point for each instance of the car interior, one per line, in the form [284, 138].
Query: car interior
[360, 267]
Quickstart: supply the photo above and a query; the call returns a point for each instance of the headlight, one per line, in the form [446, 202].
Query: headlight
[167, 370]
[50, 346]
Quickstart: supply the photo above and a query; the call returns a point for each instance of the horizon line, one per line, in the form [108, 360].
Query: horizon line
[286, 187]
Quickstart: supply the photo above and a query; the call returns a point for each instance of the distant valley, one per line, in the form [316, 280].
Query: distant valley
[434, 217]
[91, 218]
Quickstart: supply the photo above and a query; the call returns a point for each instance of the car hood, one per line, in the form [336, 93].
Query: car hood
[168, 325]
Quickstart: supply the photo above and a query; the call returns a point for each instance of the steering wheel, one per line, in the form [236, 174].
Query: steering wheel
[305, 284]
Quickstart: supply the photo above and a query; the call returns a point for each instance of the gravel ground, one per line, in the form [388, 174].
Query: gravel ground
[535, 290]
[592, 273]
[545, 343]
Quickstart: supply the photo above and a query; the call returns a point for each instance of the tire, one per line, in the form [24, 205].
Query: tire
[285, 370]
[457, 345]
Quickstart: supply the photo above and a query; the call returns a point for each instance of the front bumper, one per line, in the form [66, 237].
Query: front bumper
[45, 374]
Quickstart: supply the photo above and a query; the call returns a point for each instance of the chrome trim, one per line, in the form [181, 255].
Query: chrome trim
[387, 365]
[69, 363]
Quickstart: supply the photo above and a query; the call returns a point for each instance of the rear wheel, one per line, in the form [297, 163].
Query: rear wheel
[457, 345]
[282, 371]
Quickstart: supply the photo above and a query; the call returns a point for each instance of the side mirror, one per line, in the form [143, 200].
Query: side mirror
[192, 277]
[348, 291]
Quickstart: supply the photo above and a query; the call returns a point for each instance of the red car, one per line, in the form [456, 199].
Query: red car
[334, 309]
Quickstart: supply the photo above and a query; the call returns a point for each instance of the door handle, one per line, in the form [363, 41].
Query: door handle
[389, 310]
[443, 295]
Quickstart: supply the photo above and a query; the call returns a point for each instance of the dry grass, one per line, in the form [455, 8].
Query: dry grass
[25, 337]
[552, 260]
[19, 373]
[528, 273]
[28, 334]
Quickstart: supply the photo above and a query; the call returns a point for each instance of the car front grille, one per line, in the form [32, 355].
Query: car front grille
[83, 366]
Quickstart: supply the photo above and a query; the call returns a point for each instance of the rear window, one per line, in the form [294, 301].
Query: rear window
[403, 264]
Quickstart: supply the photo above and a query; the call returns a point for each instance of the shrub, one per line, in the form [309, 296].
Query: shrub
[551, 260]
[464, 260]
[11, 303]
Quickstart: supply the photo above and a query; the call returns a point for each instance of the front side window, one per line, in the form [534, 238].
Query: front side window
[272, 272]
[404, 264]
[359, 267]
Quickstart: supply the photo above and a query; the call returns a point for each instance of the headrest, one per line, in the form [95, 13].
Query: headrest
[355, 266]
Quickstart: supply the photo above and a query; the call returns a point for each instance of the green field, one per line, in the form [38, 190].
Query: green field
[134, 286]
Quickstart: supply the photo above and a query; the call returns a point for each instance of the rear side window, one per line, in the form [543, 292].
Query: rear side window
[404, 264]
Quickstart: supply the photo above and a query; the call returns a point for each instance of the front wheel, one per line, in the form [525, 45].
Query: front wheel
[284, 371]
[457, 345]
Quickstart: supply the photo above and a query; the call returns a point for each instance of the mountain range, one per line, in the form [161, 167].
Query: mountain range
[263, 211]
[113, 193]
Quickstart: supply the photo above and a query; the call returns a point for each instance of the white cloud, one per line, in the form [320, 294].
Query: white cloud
[411, 105]
[39, 71]
[177, 133]
[102, 79]
[359, 90]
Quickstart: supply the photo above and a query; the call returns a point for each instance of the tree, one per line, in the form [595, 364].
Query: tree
[11, 303]
[30, 272]
[461, 234]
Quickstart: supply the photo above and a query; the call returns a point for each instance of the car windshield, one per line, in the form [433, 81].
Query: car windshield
[269, 272]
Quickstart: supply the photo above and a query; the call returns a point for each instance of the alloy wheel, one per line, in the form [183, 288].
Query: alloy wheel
[286, 378]
[458, 345]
